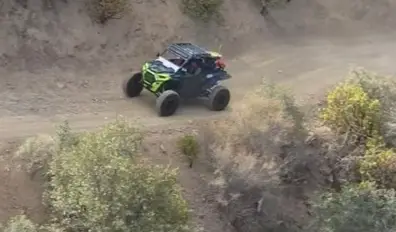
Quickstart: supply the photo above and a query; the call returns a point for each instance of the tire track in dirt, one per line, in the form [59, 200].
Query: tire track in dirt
[307, 68]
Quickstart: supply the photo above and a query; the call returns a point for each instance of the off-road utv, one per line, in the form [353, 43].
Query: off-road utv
[183, 70]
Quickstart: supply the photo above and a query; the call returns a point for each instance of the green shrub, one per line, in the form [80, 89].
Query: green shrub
[376, 87]
[201, 9]
[356, 209]
[384, 89]
[363, 108]
[379, 164]
[350, 109]
[65, 138]
[104, 10]
[189, 146]
[99, 184]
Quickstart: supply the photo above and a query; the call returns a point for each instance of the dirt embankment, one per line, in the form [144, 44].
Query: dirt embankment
[37, 35]
[42, 34]
[337, 18]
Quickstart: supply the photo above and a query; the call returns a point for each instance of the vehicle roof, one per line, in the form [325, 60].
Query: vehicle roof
[188, 50]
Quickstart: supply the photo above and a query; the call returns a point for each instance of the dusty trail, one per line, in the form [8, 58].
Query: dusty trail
[308, 67]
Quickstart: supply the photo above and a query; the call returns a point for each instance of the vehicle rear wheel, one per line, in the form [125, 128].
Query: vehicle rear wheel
[167, 103]
[219, 98]
[133, 86]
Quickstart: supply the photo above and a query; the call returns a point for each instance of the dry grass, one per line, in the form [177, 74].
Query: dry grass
[203, 10]
[35, 153]
[104, 10]
[189, 147]
[261, 156]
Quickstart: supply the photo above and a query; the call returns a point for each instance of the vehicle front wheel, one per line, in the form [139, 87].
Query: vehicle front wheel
[167, 103]
[133, 86]
[219, 98]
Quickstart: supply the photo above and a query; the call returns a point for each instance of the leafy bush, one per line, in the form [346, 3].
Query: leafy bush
[65, 138]
[99, 184]
[379, 164]
[356, 209]
[350, 109]
[20, 224]
[361, 108]
[105, 10]
[383, 89]
[189, 146]
[376, 87]
[201, 9]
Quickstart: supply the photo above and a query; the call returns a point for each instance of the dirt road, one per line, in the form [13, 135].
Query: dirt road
[307, 66]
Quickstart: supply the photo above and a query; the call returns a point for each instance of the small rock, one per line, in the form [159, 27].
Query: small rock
[162, 148]
[60, 85]
[10, 86]
[13, 98]
[85, 84]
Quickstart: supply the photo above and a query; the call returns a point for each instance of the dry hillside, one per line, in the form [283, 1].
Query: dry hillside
[39, 34]
[56, 63]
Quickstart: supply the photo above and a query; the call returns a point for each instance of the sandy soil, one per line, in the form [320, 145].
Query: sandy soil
[306, 66]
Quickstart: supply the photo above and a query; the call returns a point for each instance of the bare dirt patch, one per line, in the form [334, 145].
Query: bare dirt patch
[19, 191]
[88, 101]
[161, 149]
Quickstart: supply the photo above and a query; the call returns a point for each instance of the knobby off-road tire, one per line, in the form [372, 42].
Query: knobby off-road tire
[219, 98]
[133, 86]
[167, 103]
